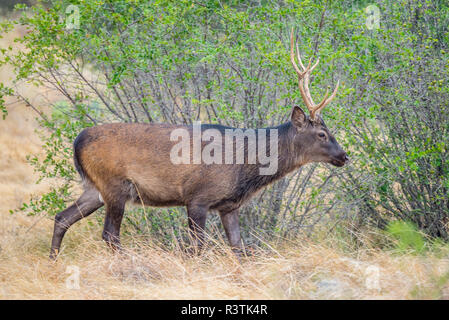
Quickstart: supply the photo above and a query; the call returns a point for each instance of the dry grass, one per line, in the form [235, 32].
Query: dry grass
[302, 269]
[299, 270]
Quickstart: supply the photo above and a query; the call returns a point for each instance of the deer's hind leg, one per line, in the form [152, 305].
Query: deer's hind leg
[117, 194]
[86, 204]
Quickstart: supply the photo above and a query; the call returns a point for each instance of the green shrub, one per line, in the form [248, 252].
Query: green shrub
[399, 133]
[407, 236]
[227, 62]
[176, 62]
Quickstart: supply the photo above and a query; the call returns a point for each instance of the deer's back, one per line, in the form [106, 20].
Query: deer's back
[135, 158]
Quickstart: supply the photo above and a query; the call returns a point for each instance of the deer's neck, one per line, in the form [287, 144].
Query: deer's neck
[288, 159]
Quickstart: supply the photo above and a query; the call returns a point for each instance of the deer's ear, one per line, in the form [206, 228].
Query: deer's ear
[298, 117]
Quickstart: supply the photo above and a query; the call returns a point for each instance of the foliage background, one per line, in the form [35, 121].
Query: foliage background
[227, 62]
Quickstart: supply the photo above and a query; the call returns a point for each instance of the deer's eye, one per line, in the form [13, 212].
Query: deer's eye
[321, 135]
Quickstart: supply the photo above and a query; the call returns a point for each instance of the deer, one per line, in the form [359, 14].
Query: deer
[130, 162]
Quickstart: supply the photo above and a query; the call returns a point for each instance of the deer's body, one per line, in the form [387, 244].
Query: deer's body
[122, 163]
[133, 160]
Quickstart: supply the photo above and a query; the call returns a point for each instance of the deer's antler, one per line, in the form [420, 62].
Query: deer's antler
[303, 82]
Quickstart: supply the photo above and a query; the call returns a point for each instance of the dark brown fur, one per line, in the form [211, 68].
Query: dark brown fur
[131, 162]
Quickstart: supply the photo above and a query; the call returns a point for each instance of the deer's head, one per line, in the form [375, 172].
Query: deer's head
[314, 140]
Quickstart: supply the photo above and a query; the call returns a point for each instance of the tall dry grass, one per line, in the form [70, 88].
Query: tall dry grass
[300, 269]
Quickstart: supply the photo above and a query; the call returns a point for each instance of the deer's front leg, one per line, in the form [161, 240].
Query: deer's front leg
[230, 222]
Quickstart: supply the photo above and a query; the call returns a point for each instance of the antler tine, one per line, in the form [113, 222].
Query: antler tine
[300, 60]
[316, 110]
[307, 102]
[310, 61]
[327, 101]
[306, 88]
[307, 75]
[307, 80]
[292, 59]
[316, 63]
